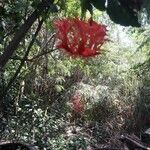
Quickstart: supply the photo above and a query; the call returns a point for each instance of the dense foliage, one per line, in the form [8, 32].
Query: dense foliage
[56, 101]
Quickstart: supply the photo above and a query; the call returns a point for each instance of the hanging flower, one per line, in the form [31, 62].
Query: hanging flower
[80, 38]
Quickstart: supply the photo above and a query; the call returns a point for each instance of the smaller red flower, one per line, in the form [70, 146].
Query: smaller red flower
[77, 104]
[80, 38]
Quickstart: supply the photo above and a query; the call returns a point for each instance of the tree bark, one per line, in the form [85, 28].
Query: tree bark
[20, 34]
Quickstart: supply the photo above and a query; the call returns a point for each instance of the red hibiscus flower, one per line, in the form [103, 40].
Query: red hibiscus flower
[80, 38]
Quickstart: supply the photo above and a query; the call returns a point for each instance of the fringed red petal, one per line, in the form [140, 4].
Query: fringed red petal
[80, 38]
[77, 104]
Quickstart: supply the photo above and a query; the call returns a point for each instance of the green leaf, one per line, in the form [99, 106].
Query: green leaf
[121, 15]
[86, 5]
[53, 8]
[59, 88]
[99, 4]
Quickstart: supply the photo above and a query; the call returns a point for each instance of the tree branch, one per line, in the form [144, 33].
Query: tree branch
[13, 45]
[25, 56]
[15, 144]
